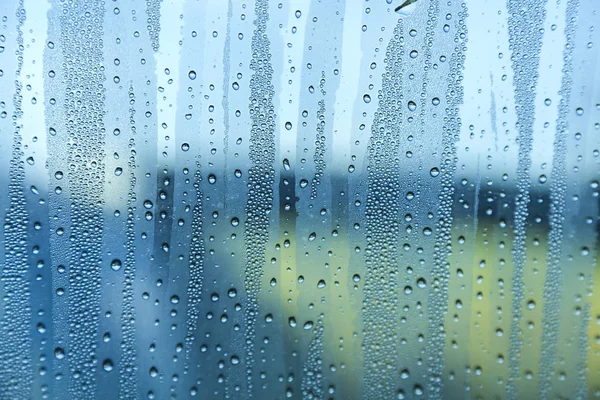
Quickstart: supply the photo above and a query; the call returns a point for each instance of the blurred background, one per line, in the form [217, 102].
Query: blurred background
[317, 199]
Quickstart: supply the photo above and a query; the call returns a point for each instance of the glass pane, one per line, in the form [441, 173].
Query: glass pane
[300, 199]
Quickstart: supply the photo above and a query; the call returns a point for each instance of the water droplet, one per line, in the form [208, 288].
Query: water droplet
[107, 365]
[116, 264]
[59, 353]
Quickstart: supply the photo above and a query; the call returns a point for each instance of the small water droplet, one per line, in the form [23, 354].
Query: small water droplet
[107, 365]
[116, 264]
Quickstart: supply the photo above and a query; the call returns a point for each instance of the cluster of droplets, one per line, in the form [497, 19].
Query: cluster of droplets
[525, 35]
[196, 269]
[383, 205]
[438, 291]
[15, 342]
[153, 12]
[128, 377]
[319, 156]
[312, 371]
[81, 43]
[558, 196]
[261, 175]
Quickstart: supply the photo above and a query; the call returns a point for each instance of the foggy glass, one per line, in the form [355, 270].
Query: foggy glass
[334, 199]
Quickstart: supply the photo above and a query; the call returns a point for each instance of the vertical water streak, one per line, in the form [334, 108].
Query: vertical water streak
[15, 341]
[525, 23]
[260, 176]
[558, 193]
[81, 42]
[312, 371]
[58, 191]
[196, 271]
[225, 101]
[493, 117]
[153, 13]
[380, 305]
[438, 293]
[128, 379]
[583, 348]
[319, 155]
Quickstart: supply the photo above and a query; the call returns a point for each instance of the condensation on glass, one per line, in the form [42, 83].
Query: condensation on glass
[308, 199]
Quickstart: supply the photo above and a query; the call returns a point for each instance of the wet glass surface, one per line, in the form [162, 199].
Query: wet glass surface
[299, 199]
